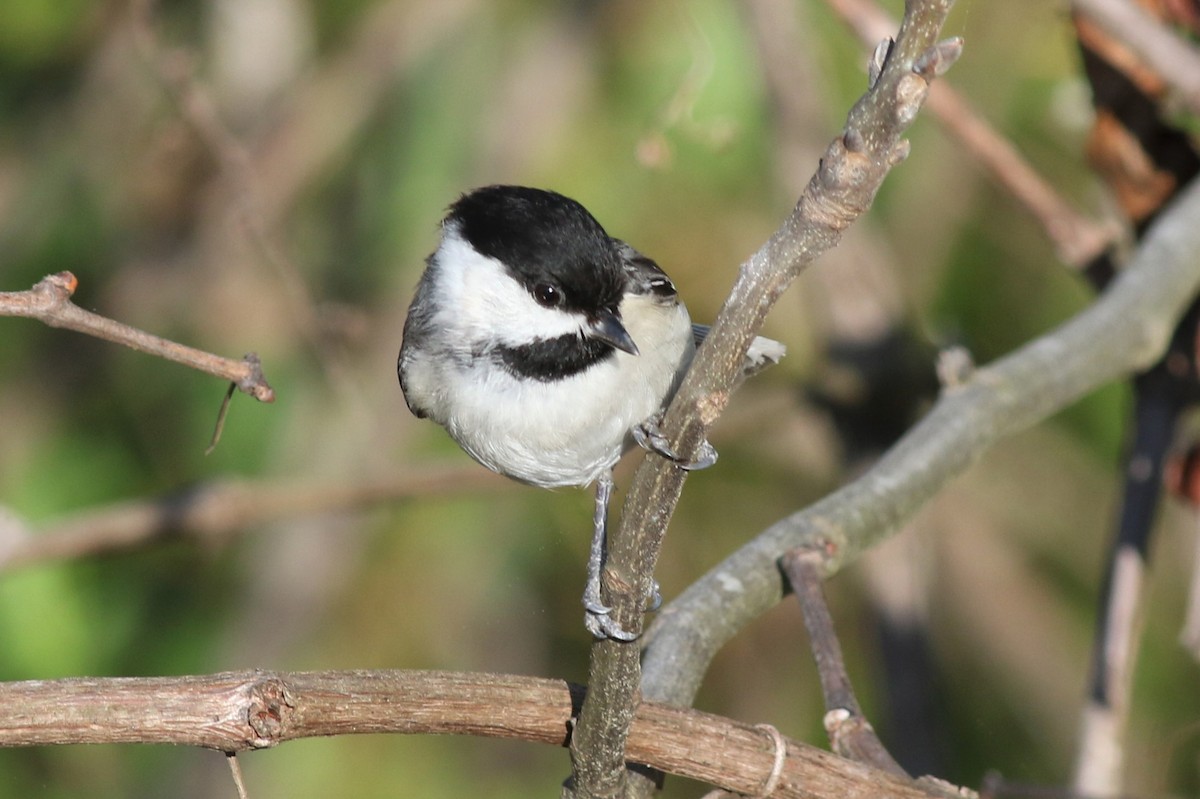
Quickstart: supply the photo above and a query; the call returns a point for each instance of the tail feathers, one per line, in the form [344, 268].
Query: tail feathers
[763, 352]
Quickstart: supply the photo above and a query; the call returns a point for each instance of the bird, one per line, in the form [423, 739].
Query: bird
[546, 348]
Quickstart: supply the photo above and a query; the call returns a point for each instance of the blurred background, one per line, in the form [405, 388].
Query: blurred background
[268, 175]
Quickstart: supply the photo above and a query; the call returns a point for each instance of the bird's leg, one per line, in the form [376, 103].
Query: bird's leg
[598, 620]
[591, 593]
[650, 437]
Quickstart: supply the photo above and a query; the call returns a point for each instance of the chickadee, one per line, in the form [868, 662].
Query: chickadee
[545, 347]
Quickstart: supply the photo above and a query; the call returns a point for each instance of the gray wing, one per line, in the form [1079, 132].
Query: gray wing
[643, 276]
[647, 277]
[417, 328]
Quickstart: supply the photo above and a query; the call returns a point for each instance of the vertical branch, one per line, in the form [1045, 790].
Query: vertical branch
[1160, 397]
[1132, 61]
[851, 735]
[851, 172]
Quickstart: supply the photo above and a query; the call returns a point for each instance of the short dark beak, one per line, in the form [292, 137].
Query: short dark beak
[608, 328]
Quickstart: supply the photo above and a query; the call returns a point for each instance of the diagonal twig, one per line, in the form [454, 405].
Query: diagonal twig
[50, 303]
[1077, 239]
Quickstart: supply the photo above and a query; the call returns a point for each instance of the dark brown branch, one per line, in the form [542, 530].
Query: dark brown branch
[214, 511]
[50, 303]
[844, 186]
[1172, 57]
[850, 734]
[239, 711]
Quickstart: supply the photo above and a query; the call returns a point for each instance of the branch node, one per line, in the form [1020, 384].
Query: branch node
[955, 366]
[844, 169]
[911, 91]
[270, 709]
[255, 383]
[834, 719]
[937, 60]
[853, 141]
[710, 406]
[899, 153]
[616, 582]
[61, 285]
[879, 60]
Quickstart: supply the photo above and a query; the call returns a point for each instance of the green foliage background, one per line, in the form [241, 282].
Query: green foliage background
[352, 126]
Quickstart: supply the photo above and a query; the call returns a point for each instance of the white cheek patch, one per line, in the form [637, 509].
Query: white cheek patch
[479, 297]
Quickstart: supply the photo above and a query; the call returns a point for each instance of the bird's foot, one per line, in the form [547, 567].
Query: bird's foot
[598, 617]
[650, 437]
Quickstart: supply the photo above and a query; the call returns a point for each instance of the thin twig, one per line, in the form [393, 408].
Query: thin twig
[219, 427]
[851, 172]
[235, 769]
[50, 303]
[850, 734]
[1077, 239]
[215, 511]
[1125, 330]
[240, 711]
[195, 105]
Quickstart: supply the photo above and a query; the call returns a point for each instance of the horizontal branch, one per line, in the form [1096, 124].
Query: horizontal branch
[220, 509]
[50, 303]
[239, 711]
[1125, 330]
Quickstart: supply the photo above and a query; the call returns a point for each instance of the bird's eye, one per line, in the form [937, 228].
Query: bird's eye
[547, 295]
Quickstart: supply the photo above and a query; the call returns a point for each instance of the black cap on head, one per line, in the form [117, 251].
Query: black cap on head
[544, 238]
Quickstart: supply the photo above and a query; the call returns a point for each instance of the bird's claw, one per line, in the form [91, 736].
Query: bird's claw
[602, 625]
[656, 599]
[598, 617]
[650, 437]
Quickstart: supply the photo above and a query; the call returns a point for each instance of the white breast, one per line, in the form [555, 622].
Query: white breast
[565, 432]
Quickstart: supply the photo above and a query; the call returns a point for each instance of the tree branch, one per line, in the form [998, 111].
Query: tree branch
[50, 303]
[1077, 239]
[239, 711]
[850, 733]
[1172, 57]
[217, 510]
[844, 186]
[1125, 330]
